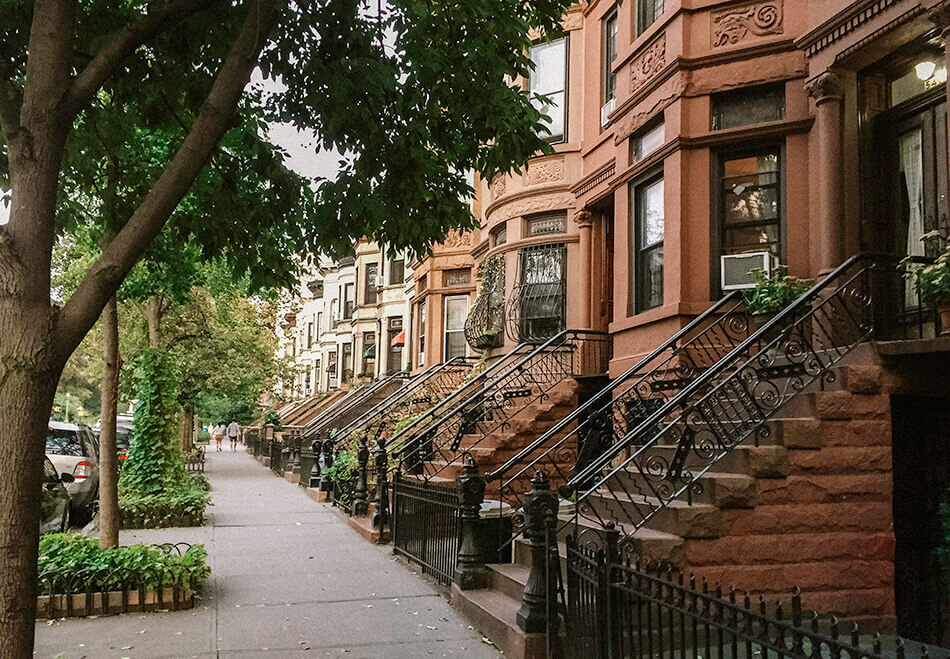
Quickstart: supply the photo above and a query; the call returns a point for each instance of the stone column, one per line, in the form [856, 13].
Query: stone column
[585, 222]
[828, 93]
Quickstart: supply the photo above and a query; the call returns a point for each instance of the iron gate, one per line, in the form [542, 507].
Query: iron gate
[426, 526]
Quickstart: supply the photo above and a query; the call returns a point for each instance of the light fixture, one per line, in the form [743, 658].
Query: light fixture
[941, 75]
[925, 69]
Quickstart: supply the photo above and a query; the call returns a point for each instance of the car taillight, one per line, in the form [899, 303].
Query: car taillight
[123, 455]
[83, 470]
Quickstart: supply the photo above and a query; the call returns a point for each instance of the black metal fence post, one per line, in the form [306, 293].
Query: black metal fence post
[360, 503]
[315, 448]
[539, 503]
[610, 631]
[381, 515]
[326, 485]
[470, 570]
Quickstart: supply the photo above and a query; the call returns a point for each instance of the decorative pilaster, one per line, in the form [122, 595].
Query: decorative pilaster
[540, 506]
[470, 570]
[585, 223]
[828, 92]
[360, 503]
[381, 504]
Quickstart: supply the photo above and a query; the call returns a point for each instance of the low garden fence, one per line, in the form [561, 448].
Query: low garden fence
[426, 526]
[100, 591]
[195, 459]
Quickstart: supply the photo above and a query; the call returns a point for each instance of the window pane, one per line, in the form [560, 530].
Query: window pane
[751, 206]
[743, 107]
[647, 12]
[538, 226]
[549, 79]
[651, 278]
[610, 54]
[754, 238]
[456, 308]
[652, 218]
[455, 345]
[649, 141]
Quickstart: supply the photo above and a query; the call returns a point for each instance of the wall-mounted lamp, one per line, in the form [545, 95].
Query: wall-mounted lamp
[925, 70]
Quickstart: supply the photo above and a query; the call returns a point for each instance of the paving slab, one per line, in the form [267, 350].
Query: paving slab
[288, 579]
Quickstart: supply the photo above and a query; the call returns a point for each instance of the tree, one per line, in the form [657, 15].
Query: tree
[403, 115]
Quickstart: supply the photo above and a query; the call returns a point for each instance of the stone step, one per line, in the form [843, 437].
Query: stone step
[364, 527]
[675, 517]
[758, 461]
[494, 615]
[509, 579]
[721, 489]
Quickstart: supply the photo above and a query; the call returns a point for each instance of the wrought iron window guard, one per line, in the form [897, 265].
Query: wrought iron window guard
[536, 311]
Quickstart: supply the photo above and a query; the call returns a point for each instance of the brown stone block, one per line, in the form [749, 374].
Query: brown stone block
[699, 522]
[808, 518]
[870, 406]
[802, 433]
[734, 491]
[824, 576]
[817, 488]
[833, 404]
[841, 459]
[851, 603]
[790, 548]
[854, 432]
[768, 462]
[864, 379]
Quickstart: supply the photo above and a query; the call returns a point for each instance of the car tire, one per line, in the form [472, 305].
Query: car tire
[81, 515]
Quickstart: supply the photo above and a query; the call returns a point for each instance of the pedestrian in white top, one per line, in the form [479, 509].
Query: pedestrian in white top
[218, 433]
[233, 430]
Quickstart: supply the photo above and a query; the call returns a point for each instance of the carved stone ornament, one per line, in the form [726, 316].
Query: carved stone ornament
[537, 204]
[825, 87]
[758, 19]
[650, 62]
[545, 171]
[497, 186]
[456, 238]
[584, 218]
[940, 16]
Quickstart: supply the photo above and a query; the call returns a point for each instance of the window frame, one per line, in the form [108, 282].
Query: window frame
[607, 71]
[717, 224]
[637, 304]
[369, 283]
[445, 326]
[642, 24]
[525, 322]
[562, 138]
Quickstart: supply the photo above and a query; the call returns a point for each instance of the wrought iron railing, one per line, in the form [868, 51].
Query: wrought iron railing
[664, 457]
[617, 607]
[439, 449]
[419, 394]
[402, 444]
[426, 526]
[596, 425]
[354, 404]
[485, 324]
[536, 311]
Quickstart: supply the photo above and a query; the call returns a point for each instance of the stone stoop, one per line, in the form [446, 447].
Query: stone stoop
[364, 527]
[810, 507]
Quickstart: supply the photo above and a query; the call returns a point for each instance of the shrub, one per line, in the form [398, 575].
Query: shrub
[155, 490]
[75, 562]
[774, 291]
[933, 281]
[343, 473]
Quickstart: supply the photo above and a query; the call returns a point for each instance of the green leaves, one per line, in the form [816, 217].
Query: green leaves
[933, 280]
[69, 561]
[773, 291]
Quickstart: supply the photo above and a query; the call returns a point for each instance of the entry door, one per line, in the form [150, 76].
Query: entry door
[914, 158]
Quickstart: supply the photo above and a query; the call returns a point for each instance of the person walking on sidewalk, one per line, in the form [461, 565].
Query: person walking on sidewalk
[233, 430]
[218, 433]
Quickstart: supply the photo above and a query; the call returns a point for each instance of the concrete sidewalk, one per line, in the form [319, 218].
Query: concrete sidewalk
[288, 578]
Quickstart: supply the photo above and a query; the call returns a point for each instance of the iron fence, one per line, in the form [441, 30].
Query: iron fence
[426, 526]
[619, 608]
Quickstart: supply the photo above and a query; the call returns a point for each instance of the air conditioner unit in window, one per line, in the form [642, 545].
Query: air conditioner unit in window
[734, 268]
[380, 282]
[605, 111]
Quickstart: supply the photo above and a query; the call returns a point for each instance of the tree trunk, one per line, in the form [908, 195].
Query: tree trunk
[108, 458]
[187, 427]
[153, 314]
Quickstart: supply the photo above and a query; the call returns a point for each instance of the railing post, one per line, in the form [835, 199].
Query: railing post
[315, 447]
[470, 570]
[610, 631]
[360, 503]
[539, 504]
[381, 515]
[326, 485]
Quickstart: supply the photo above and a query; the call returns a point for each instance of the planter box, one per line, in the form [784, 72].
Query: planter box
[78, 605]
[181, 521]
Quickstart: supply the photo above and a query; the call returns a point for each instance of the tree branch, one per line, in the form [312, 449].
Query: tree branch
[212, 122]
[123, 44]
[9, 104]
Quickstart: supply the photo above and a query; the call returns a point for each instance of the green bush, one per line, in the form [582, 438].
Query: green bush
[773, 291]
[69, 561]
[933, 281]
[155, 490]
[343, 473]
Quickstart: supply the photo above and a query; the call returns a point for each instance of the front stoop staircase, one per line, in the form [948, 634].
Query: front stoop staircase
[755, 456]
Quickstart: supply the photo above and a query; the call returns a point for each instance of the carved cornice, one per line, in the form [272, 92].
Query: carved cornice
[530, 205]
[940, 16]
[842, 24]
[547, 170]
[826, 87]
[589, 183]
[755, 19]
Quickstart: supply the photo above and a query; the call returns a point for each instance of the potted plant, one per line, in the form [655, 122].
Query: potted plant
[933, 281]
[773, 291]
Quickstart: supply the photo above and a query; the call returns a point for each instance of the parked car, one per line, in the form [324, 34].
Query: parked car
[123, 435]
[54, 500]
[74, 450]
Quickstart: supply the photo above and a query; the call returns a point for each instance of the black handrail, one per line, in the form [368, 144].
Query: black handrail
[410, 387]
[412, 428]
[599, 397]
[354, 398]
[480, 395]
[716, 369]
